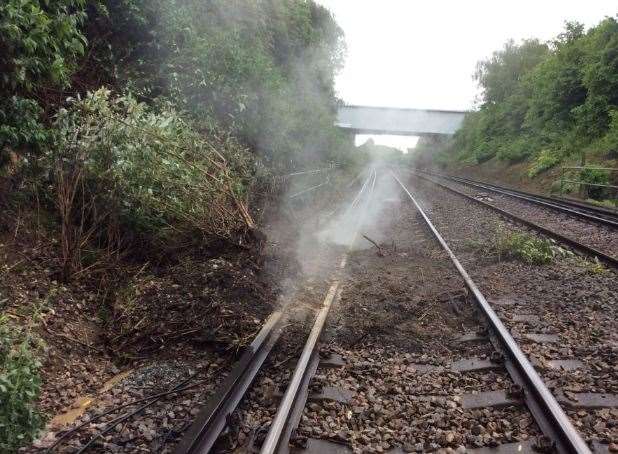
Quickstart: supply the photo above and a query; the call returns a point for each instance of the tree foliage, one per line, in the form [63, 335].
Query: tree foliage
[547, 101]
[40, 42]
[20, 385]
[123, 174]
[198, 97]
[262, 68]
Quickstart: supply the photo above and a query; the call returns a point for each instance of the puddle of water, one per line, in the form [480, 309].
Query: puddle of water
[82, 403]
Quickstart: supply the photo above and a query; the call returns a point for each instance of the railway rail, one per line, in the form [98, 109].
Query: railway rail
[582, 243]
[600, 215]
[547, 412]
[556, 432]
[569, 336]
[559, 434]
[208, 425]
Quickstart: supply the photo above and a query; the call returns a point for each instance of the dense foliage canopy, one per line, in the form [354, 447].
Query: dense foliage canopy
[547, 101]
[159, 115]
[262, 68]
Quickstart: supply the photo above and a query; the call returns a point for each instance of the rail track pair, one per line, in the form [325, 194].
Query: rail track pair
[559, 433]
[603, 217]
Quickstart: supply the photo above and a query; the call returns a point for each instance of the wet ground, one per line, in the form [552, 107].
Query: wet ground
[397, 324]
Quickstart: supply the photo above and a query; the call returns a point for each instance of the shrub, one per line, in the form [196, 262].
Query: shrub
[262, 69]
[514, 152]
[594, 176]
[524, 246]
[484, 153]
[39, 42]
[121, 172]
[20, 124]
[545, 160]
[19, 387]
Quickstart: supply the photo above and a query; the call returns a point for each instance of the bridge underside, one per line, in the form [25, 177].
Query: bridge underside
[381, 132]
[400, 122]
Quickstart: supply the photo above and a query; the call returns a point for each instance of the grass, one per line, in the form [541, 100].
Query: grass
[524, 246]
[592, 266]
[20, 384]
[515, 245]
[607, 203]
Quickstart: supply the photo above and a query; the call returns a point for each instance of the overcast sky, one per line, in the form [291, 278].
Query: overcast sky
[422, 53]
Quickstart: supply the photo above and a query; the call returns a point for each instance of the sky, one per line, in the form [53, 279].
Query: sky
[423, 53]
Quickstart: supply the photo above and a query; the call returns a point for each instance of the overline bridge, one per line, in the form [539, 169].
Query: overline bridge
[401, 122]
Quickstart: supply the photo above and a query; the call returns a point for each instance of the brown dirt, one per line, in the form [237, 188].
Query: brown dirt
[191, 309]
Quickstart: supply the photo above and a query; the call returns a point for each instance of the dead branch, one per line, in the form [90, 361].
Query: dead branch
[380, 250]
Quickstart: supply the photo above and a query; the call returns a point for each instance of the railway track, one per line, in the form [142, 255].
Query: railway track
[501, 379]
[585, 235]
[208, 425]
[406, 353]
[581, 210]
[569, 335]
[97, 431]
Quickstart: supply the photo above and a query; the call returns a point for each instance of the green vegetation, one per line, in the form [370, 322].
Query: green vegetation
[547, 102]
[593, 266]
[523, 246]
[262, 69]
[19, 387]
[131, 119]
[133, 131]
[40, 43]
[125, 172]
[507, 244]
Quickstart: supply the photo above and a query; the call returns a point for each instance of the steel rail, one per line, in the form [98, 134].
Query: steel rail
[274, 439]
[546, 411]
[280, 427]
[210, 422]
[205, 430]
[311, 172]
[565, 201]
[602, 256]
[304, 191]
[594, 214]
[529, 198]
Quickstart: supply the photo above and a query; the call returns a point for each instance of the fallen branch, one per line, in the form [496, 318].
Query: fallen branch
[380, 250]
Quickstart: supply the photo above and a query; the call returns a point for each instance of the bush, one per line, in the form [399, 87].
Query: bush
[594, 176]
[121, 172]
[515, 151]
[39, 42]
[545, 160]
[524, 246]
[484, 153]
[20, 124]
[262, 69]
[608, 145]
[19, 387]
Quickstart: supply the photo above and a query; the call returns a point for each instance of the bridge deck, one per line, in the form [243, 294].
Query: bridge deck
[389, 120]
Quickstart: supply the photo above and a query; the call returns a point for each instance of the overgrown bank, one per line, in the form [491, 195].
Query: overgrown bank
[545, 105]
[135, 137]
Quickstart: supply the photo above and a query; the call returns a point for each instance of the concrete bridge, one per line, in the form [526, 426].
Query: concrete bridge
[400, 122]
